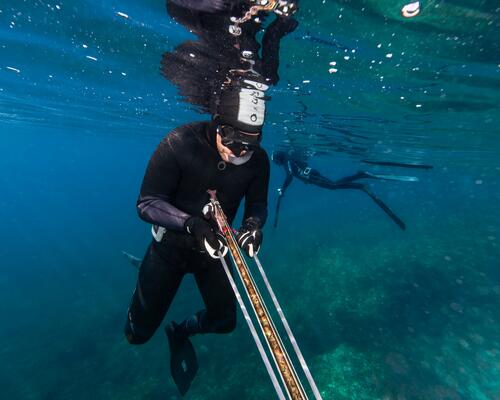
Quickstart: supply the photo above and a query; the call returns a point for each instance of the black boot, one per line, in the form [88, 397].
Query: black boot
[192, 325]
[183, 361]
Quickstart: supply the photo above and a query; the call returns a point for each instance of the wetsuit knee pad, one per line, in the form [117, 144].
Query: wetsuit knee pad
[228, 325]
[141, 323]
[136, 331]
[223, 325]
[203, 322]
[136, 336]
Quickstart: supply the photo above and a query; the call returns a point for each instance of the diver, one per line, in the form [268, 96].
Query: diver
[296, 166]
[222, 154]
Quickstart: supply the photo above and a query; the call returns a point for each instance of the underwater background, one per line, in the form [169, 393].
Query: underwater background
[379, 313]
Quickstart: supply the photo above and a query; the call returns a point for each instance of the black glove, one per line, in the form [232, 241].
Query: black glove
[208, 240]
[249, 237]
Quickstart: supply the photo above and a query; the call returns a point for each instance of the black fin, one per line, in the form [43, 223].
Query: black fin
[276, 214]
[136, 262]
[397, 164]
[183, 361]
[384, 207]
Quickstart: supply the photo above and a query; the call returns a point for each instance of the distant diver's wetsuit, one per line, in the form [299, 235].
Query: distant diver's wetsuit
[184, 166]
[296, 168]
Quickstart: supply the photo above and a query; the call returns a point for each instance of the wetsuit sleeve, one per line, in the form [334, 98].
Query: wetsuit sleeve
[158, 187]
[202, 5]
[256, 196]
[271, 46]
[288, 180]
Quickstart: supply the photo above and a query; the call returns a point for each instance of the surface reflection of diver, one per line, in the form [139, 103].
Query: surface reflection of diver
[216, 47]
[296, 167]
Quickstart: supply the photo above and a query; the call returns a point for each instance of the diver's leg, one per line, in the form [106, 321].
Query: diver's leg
[336, 185]
[183, 360]
[315, 178]
[219, 315]
[365, 175]
[159, 278]
[352, 178]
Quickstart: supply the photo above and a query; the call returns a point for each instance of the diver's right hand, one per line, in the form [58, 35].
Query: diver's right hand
[208, 240]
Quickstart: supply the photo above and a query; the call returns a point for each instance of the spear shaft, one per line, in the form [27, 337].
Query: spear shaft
[281, 359]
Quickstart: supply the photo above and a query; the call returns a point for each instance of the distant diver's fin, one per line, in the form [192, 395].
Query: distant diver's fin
[183, 361]
[276, 214]
[136, 262]
[347, 183]
[397, 164]
[384, 207]
[392, 177]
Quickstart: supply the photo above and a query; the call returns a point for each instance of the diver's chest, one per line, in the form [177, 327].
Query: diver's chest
[219, 175]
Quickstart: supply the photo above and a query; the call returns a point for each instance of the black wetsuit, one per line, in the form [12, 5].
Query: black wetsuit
[299, 169]
[184, 166]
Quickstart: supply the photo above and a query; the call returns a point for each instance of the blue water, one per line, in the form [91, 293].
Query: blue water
[379, 313]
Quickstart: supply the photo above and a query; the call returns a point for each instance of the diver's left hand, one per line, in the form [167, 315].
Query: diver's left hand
[249, 238]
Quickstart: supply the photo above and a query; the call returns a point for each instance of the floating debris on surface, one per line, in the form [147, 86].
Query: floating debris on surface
[91, 58]
[330, 43]
[13, 69]
[411, 10]
[123, 15]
